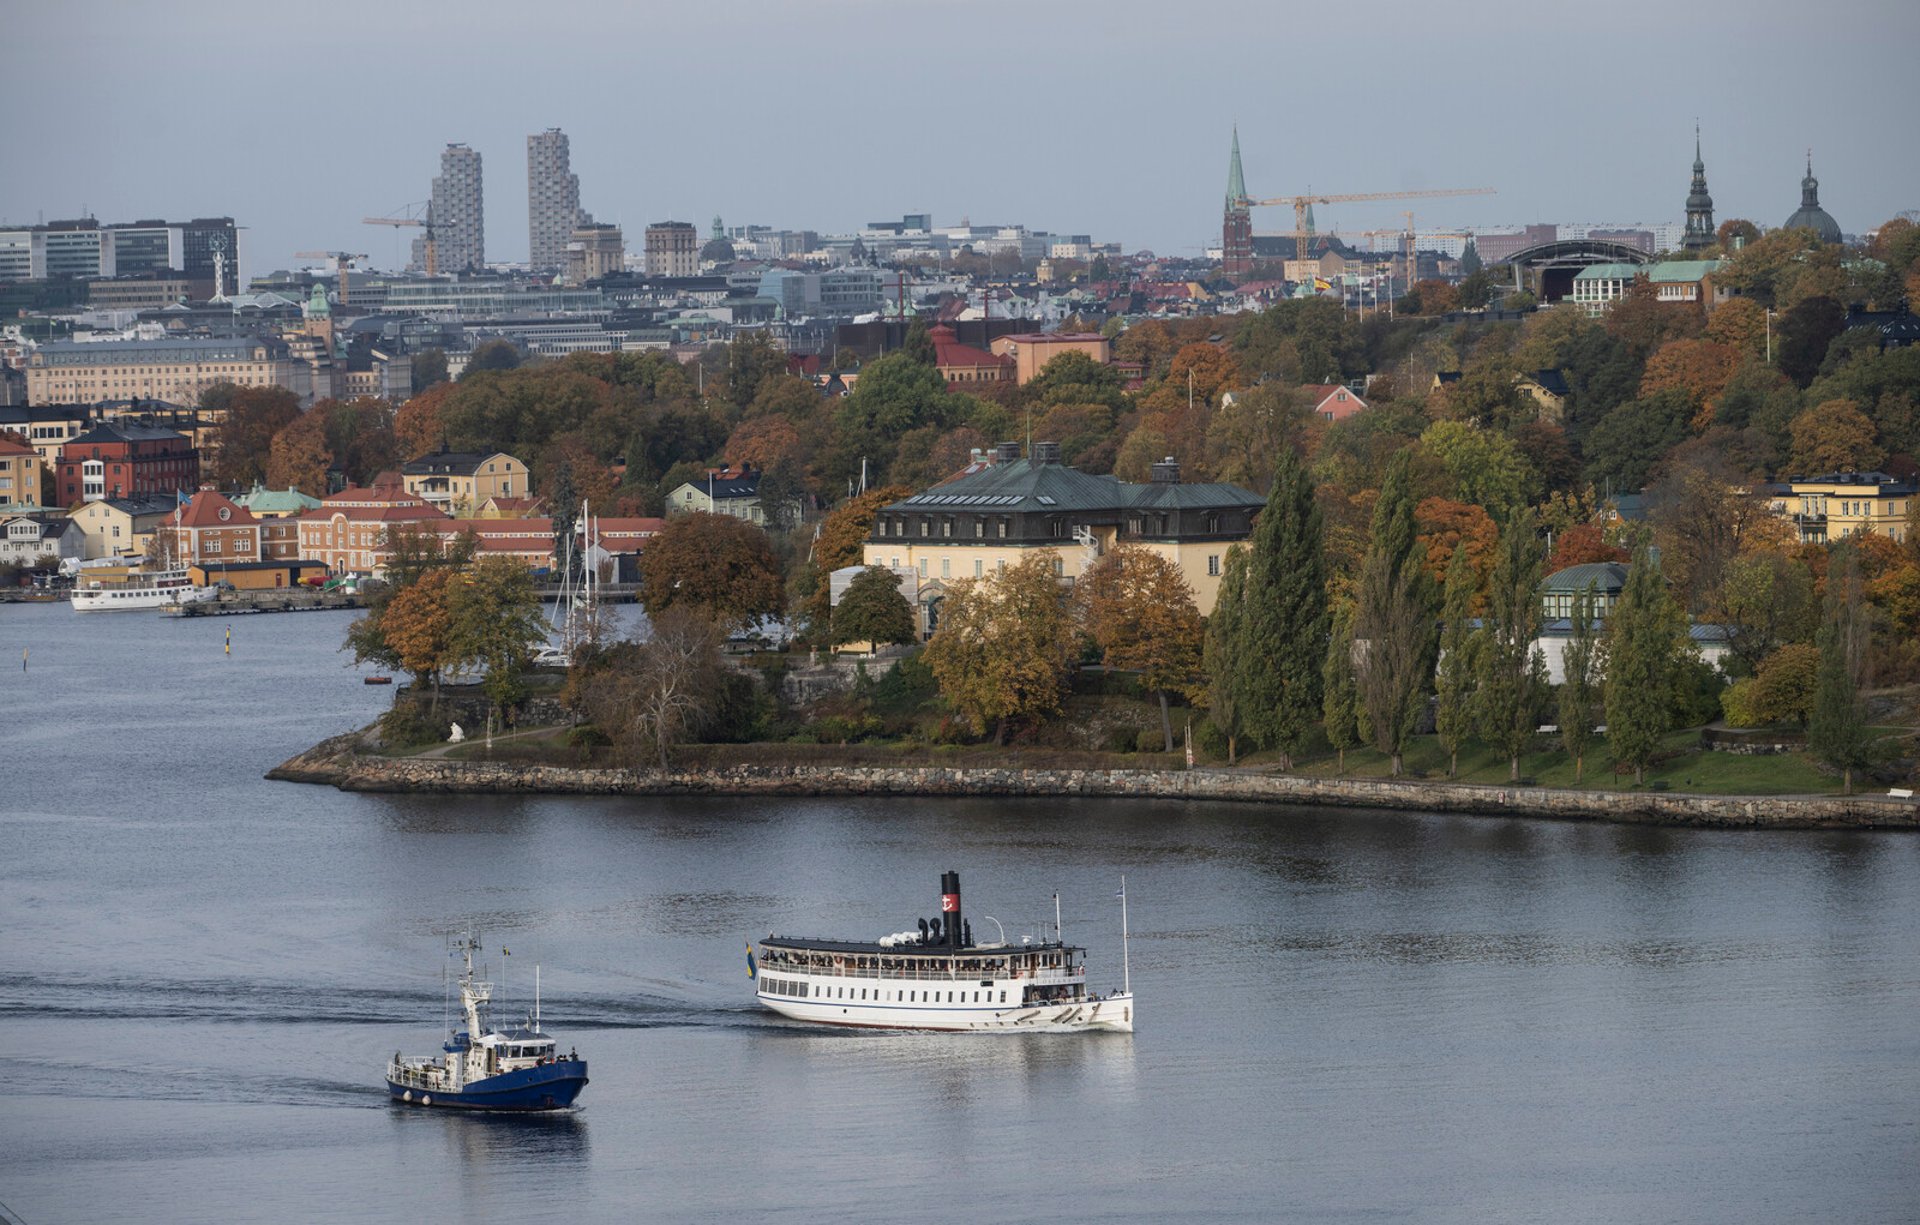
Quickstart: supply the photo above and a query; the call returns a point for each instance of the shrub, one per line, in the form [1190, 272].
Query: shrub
[1785, 684]
[411, 724]
[1209, 740]
[1150, 740]
[1121, 740]
[1696, 692]
[1739, 702]
[587, 737]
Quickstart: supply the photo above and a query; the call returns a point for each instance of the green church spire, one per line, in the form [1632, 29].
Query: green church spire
[1236, 182]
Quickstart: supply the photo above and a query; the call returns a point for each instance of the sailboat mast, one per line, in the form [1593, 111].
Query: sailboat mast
[1126, 968]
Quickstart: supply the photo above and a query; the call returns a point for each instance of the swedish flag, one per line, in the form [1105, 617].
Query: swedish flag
[753, 971]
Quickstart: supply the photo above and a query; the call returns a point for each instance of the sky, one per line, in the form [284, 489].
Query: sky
[1111, 119]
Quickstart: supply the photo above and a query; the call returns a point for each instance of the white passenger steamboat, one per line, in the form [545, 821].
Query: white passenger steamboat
[143, 591]
[938, 978]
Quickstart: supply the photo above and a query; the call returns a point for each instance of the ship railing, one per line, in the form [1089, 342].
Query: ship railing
[1060, 974]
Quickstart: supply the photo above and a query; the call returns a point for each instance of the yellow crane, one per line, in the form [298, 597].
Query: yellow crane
[341, 259]
[1302, 231]
[423, 222]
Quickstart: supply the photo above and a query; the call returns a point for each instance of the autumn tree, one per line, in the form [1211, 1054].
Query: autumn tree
[1580, 545]
[1340, 695]
[1765, 600]
[243, 441]
[1001, 651]
[1396, 618]
[299, 457]
[418, 426]
[417, 626]
[1699, 369]
[1784, 683]
[1448, 528]
[1138, 609]
[1802, 335]
[873, 610]
[1245, 438]
[1583, 667]
[1837, 732]
[494, 621]
[1455, 671]
[720, 566]
[1646, 642]
[1833, 437]
[1512, 674]
[1485, 466]
[648, 697]
[1224, 653]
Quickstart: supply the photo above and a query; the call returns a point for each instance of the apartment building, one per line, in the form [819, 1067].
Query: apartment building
[82, 372]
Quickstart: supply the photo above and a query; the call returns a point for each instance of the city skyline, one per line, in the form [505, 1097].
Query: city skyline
[1126, 139]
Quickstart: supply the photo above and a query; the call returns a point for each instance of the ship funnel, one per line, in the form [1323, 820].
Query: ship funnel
[950, 907]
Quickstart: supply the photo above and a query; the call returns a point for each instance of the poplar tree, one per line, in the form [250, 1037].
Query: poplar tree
[1340, 700]
[1583, 665]
[1646, 638]
[1512, 673]
[1837, 733]
[1453, 680]
[1283, 621]
[1396, 618]
[1224, 663]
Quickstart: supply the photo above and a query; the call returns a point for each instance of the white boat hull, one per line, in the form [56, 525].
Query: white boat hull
[1111, 1012]
[139, 599]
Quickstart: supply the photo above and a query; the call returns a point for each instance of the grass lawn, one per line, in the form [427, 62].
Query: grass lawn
[1689, 768]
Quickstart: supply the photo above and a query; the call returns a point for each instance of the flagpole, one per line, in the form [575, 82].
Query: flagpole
[1126, 967]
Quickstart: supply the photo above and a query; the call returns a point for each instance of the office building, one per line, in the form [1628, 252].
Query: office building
[673, 249]
[553, 201]
[594, 250]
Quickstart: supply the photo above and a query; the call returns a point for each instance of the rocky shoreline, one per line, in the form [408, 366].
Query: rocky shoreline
[339, 762]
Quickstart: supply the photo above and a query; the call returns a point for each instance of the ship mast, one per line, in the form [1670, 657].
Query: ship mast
[1126, 969]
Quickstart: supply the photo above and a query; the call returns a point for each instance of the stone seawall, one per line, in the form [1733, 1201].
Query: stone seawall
[337, 762]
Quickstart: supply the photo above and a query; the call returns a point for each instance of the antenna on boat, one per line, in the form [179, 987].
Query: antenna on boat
[1126, 968]
[536, 997]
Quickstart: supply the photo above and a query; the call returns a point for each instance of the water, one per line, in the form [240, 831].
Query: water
[1342, 1014]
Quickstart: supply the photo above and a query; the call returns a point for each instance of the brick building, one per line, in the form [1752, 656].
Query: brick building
[125, 459]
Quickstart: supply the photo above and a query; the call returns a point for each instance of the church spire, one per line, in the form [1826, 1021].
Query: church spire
[1699, 235]
[1236, 181]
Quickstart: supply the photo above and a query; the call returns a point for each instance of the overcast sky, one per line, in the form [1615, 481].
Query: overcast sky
[1109, 118]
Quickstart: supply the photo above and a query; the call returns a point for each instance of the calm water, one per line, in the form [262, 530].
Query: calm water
[1343, 1015]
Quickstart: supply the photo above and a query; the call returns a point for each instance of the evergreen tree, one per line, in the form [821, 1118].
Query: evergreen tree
[918, 343]
[1453, 681]
[1470, 261]
[1340, 700]
[1512, 671]
[1396, 618]
[1284, 613]
[1224, 664]
[1837, 732]
[1583, 664]
[1646, 639]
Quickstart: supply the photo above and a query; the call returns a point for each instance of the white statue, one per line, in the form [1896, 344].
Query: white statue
[456, 735]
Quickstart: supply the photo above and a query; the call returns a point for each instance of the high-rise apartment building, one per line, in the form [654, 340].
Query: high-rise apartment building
[673, 249]
[458, 215]
[553, 201]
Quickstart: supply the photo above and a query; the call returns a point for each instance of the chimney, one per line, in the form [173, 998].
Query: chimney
[1167, 471]
[1006, 452]
[1046, 452]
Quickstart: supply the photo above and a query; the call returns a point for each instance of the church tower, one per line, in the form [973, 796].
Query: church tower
[1700, 234]
[1236, 232]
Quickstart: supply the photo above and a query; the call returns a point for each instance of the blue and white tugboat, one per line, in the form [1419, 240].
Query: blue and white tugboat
[518, 1069]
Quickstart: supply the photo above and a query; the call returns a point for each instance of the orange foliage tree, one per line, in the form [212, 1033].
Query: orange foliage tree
[418, 426]
[1445, 525]
[1834, 436]
[1138, 609]
[1583, 544]
[1700, 369]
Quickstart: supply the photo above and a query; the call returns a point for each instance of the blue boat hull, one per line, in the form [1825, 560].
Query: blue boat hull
[551, 1086]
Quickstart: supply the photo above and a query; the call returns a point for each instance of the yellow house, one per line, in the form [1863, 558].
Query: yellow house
[122, 527]
[19, 474]
[460, 482]
[1841, 504]
[991, 518]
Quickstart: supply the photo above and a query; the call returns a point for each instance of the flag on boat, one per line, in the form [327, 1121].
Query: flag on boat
[753, 971]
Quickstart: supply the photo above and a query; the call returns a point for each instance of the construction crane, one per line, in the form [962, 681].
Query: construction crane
[1303, 229]
[341, 259]
[424, 222]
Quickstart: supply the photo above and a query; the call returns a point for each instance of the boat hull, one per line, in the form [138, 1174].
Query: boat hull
[1113, 1013]
[552, 1086]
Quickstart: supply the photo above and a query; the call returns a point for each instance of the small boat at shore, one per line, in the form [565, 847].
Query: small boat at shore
[488, 1069]
[376, 680]
[938, 978]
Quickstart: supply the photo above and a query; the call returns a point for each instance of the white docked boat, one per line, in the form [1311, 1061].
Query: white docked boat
[143, 591]
[938, 978]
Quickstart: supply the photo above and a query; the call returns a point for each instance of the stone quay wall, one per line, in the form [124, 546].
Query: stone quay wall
[339, 762]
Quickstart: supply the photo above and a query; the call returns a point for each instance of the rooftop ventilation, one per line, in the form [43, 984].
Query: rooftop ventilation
[1167, 471]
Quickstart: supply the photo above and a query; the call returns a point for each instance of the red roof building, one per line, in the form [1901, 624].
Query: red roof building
[963, 365]
[349, 532]
[125, 460]
[210, 529]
